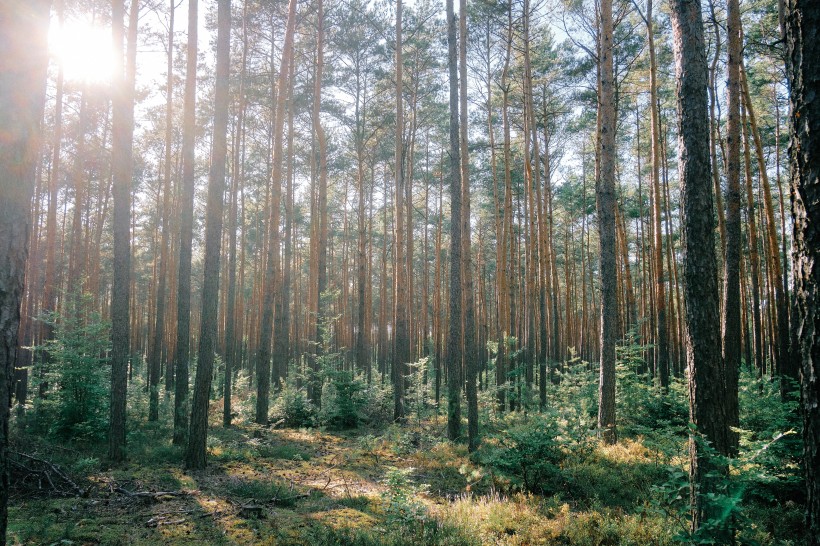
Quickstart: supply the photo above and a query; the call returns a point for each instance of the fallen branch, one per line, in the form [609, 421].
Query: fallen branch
[26, 468]
[153, 495]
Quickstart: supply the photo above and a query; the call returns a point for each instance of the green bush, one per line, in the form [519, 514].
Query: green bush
[528, 454]
[378, 408]
[73, 374]
[293, 408]
[343, 399]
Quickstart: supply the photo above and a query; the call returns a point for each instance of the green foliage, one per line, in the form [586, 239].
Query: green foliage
[343, 400]
[400, 503]
[529, 454]
[417, 394]
[293, 408]
[75, 378]
[377, 411]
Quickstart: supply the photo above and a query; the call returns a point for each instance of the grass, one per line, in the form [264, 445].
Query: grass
[390, 486]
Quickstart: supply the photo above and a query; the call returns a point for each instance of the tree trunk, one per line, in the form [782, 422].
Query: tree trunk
[703, 344]
[454, 353]
[271, 281]
[731, 300]
[401, 354]
[186, 227]
[803, 71]
[198, 431]
[121, 158]
[159, 324]
[606, 201]
[24, 54]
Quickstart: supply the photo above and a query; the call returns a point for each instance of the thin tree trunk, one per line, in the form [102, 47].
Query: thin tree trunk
[159, 324]
[186, 223]
[272, 290]
[198, 431]
[454, 353]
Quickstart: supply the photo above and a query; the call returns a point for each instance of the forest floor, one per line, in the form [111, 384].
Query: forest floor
[394, 485]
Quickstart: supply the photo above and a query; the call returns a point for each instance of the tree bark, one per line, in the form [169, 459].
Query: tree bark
[198, 431]
[606, 203]
[186, 227]
[159, 324]
[121, 158]
[803, 71]
[454, 353]
[731, 300]
[703, 342]
[23, 61]
[271, 283]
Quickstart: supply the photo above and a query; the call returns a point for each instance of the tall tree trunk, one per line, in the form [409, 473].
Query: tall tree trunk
[454, 353]
[315, 385]
[731, 309]
[122, 132]
[661, 334]
[703, 344]
[159, 324]
[401, 353]
[606, 201]
[24, 54]
[231, 310]
[198, 431]
[803, 71]
[754, 260]
[783, 363]
[186, 227]
[470, 348]
[271, 282]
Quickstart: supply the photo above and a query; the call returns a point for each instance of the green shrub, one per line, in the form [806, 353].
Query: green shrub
[293, 408]
[529, 454]
[73, 373]
[377, 410]
[343, 399]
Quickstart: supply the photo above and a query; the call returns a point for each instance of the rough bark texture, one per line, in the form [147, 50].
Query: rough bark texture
[606, 202]
[186, 223]
[803, 41]
[198, 431]
[122, 132]
[23, 60]
[454, 352]
[703, 348]
[731, 306]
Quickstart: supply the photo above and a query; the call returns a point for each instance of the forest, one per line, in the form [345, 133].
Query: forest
[375, 272]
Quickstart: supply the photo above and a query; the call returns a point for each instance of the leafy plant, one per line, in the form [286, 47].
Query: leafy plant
[73, 373]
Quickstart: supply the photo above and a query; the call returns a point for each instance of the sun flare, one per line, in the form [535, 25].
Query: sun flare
[83, 50]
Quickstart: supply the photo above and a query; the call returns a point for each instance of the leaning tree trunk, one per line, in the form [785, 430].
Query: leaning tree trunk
[803, 70]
